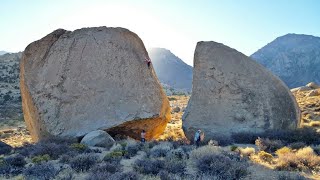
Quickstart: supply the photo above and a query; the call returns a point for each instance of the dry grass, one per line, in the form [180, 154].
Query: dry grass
[304, 160]
[314, 124]
[265, 157]
[246, 152]
[283, 151]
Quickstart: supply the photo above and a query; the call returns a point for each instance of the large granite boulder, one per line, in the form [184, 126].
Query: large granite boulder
[76, 82]
[232, 93]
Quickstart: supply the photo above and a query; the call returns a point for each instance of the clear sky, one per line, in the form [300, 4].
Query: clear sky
[177, 25]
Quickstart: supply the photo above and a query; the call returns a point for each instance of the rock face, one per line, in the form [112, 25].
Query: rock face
[294, 58]
[232, 93]
[93, 78]
[98, 138]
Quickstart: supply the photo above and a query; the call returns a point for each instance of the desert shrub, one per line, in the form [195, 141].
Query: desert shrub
[233, 148]
[245, 137]
[204, 151]
[116, 176]
[268, 145]
[65, 158]
[40, 158]
[15, 161]
[176, 154]
[266, 157]
[79, 147]
[99, 176]
[132, 148]
[147, 146]
[117, 154]
[113, 157]
[161, 149]
[297, 145]
[222, 140]
[179, 143]
[116, 147]
[65, 174]
[59, 140]
[316, 149]
[175, 166]
[283, 151]
[187, 148]
[105, 167]
[212, 152]
[43, 171]
[148, 166]
[289, 176]
[83, 162]
[245, 152]
[4, 148]
[305, 135]
[12, 165]
[5, 169]
[303, 159]
[164, 175]
[221, 166]
[126, 175]
[123, 143]
[52, 149]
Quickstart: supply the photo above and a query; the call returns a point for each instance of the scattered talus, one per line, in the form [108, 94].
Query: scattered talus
[92, 78]
[232, 93]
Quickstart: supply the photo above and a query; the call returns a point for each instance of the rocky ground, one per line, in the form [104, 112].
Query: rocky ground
[174, 127]
[308, 98]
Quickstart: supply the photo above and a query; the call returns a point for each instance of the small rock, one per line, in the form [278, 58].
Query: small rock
[98, 138]
[300, 89]
[313, 85]
[313, 93]
[213, 143]
[176, 109]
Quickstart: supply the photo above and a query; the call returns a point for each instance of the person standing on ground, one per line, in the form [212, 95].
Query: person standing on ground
[148, 62]
[143, 136]
[197, 138]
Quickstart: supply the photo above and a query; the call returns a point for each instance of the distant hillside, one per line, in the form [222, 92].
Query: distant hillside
[10, 100]
[171, 70]
[294, 58]
[3, 52]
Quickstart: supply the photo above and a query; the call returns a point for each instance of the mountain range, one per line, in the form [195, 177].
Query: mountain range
[171, 70]
[3, 52]
[10, 99]
[294, 58]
